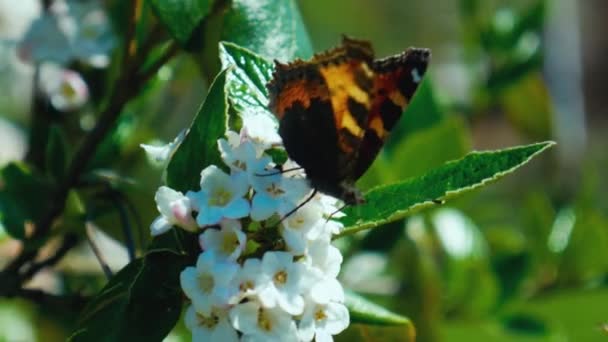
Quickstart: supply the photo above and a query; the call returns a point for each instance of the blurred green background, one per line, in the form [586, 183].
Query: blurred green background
[525, 259]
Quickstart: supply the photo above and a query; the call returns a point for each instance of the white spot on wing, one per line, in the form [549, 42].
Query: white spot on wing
[416, 75]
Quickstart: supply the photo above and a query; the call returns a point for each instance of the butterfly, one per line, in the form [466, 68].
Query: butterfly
[336, 111]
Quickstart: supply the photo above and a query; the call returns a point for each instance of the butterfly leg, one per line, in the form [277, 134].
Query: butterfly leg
[278, 172]
[308, 199]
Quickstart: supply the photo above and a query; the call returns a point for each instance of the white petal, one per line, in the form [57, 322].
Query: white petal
[322, 336]
[306, 327]
[239, 184]
[190, 318]
[210, 239]
[268, 295]
[209, 216]
[329, 289]
[213, 176]
[164, 197]
[188, 281]
[295, 241]
[156, 154]
[160, 225]
[237, 208]
[244, 317]
[292, 303]
[262, 206]
[223, 272]
[224, 332]
[337, 318]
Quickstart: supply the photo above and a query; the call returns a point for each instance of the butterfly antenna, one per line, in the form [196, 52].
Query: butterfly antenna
[308, 199]
[335, 212]
[278, 172]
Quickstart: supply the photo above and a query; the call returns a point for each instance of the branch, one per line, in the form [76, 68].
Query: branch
[73, 302]
[130, 43]
[69, 242]
[126, 88]
[90, 230]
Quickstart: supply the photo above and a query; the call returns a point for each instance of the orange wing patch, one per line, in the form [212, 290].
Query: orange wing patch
[350, 101]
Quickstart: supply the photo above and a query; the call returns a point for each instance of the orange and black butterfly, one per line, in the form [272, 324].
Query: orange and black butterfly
[337, 110]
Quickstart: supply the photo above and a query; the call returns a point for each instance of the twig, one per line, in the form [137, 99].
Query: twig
[127, 229]
[90, 230]
[147, 74]
[74, 302]
[130, 43]
[69, 242]
[151, 41]
[141, 239]
[127, 87]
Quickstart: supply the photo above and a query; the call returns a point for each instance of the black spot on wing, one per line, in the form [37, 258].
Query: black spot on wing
[358, 111]
[390, 113]
[310, 138]
[349, 138]
[363, 81]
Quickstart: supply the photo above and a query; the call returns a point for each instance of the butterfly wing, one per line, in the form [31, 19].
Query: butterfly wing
[395, 82]
[323, 107]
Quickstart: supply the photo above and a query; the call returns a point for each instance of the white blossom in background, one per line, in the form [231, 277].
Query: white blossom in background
[45, 41]
[265, 272]
[70, 30]
[66, 89]
[161, 154]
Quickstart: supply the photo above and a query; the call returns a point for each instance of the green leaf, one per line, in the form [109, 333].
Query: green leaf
[56, 154]
[23, 198]
[389, 203]
[142, 302]
[182, 18]
[248, 74]
[247, 77]
[199, 148]
[272, 28]
[363, 311]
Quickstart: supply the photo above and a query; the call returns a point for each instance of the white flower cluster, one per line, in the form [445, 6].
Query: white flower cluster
[265, 273]
[70, 30]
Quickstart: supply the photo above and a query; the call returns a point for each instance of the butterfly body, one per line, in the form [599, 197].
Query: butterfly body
[336, 111]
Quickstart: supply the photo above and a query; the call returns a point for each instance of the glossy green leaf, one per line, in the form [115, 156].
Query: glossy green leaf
[23, 198]
[366, 312]
[388, 203]
[248, 74]
[199, 148]
[272, 28]
[182, 18]
[142, 302]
